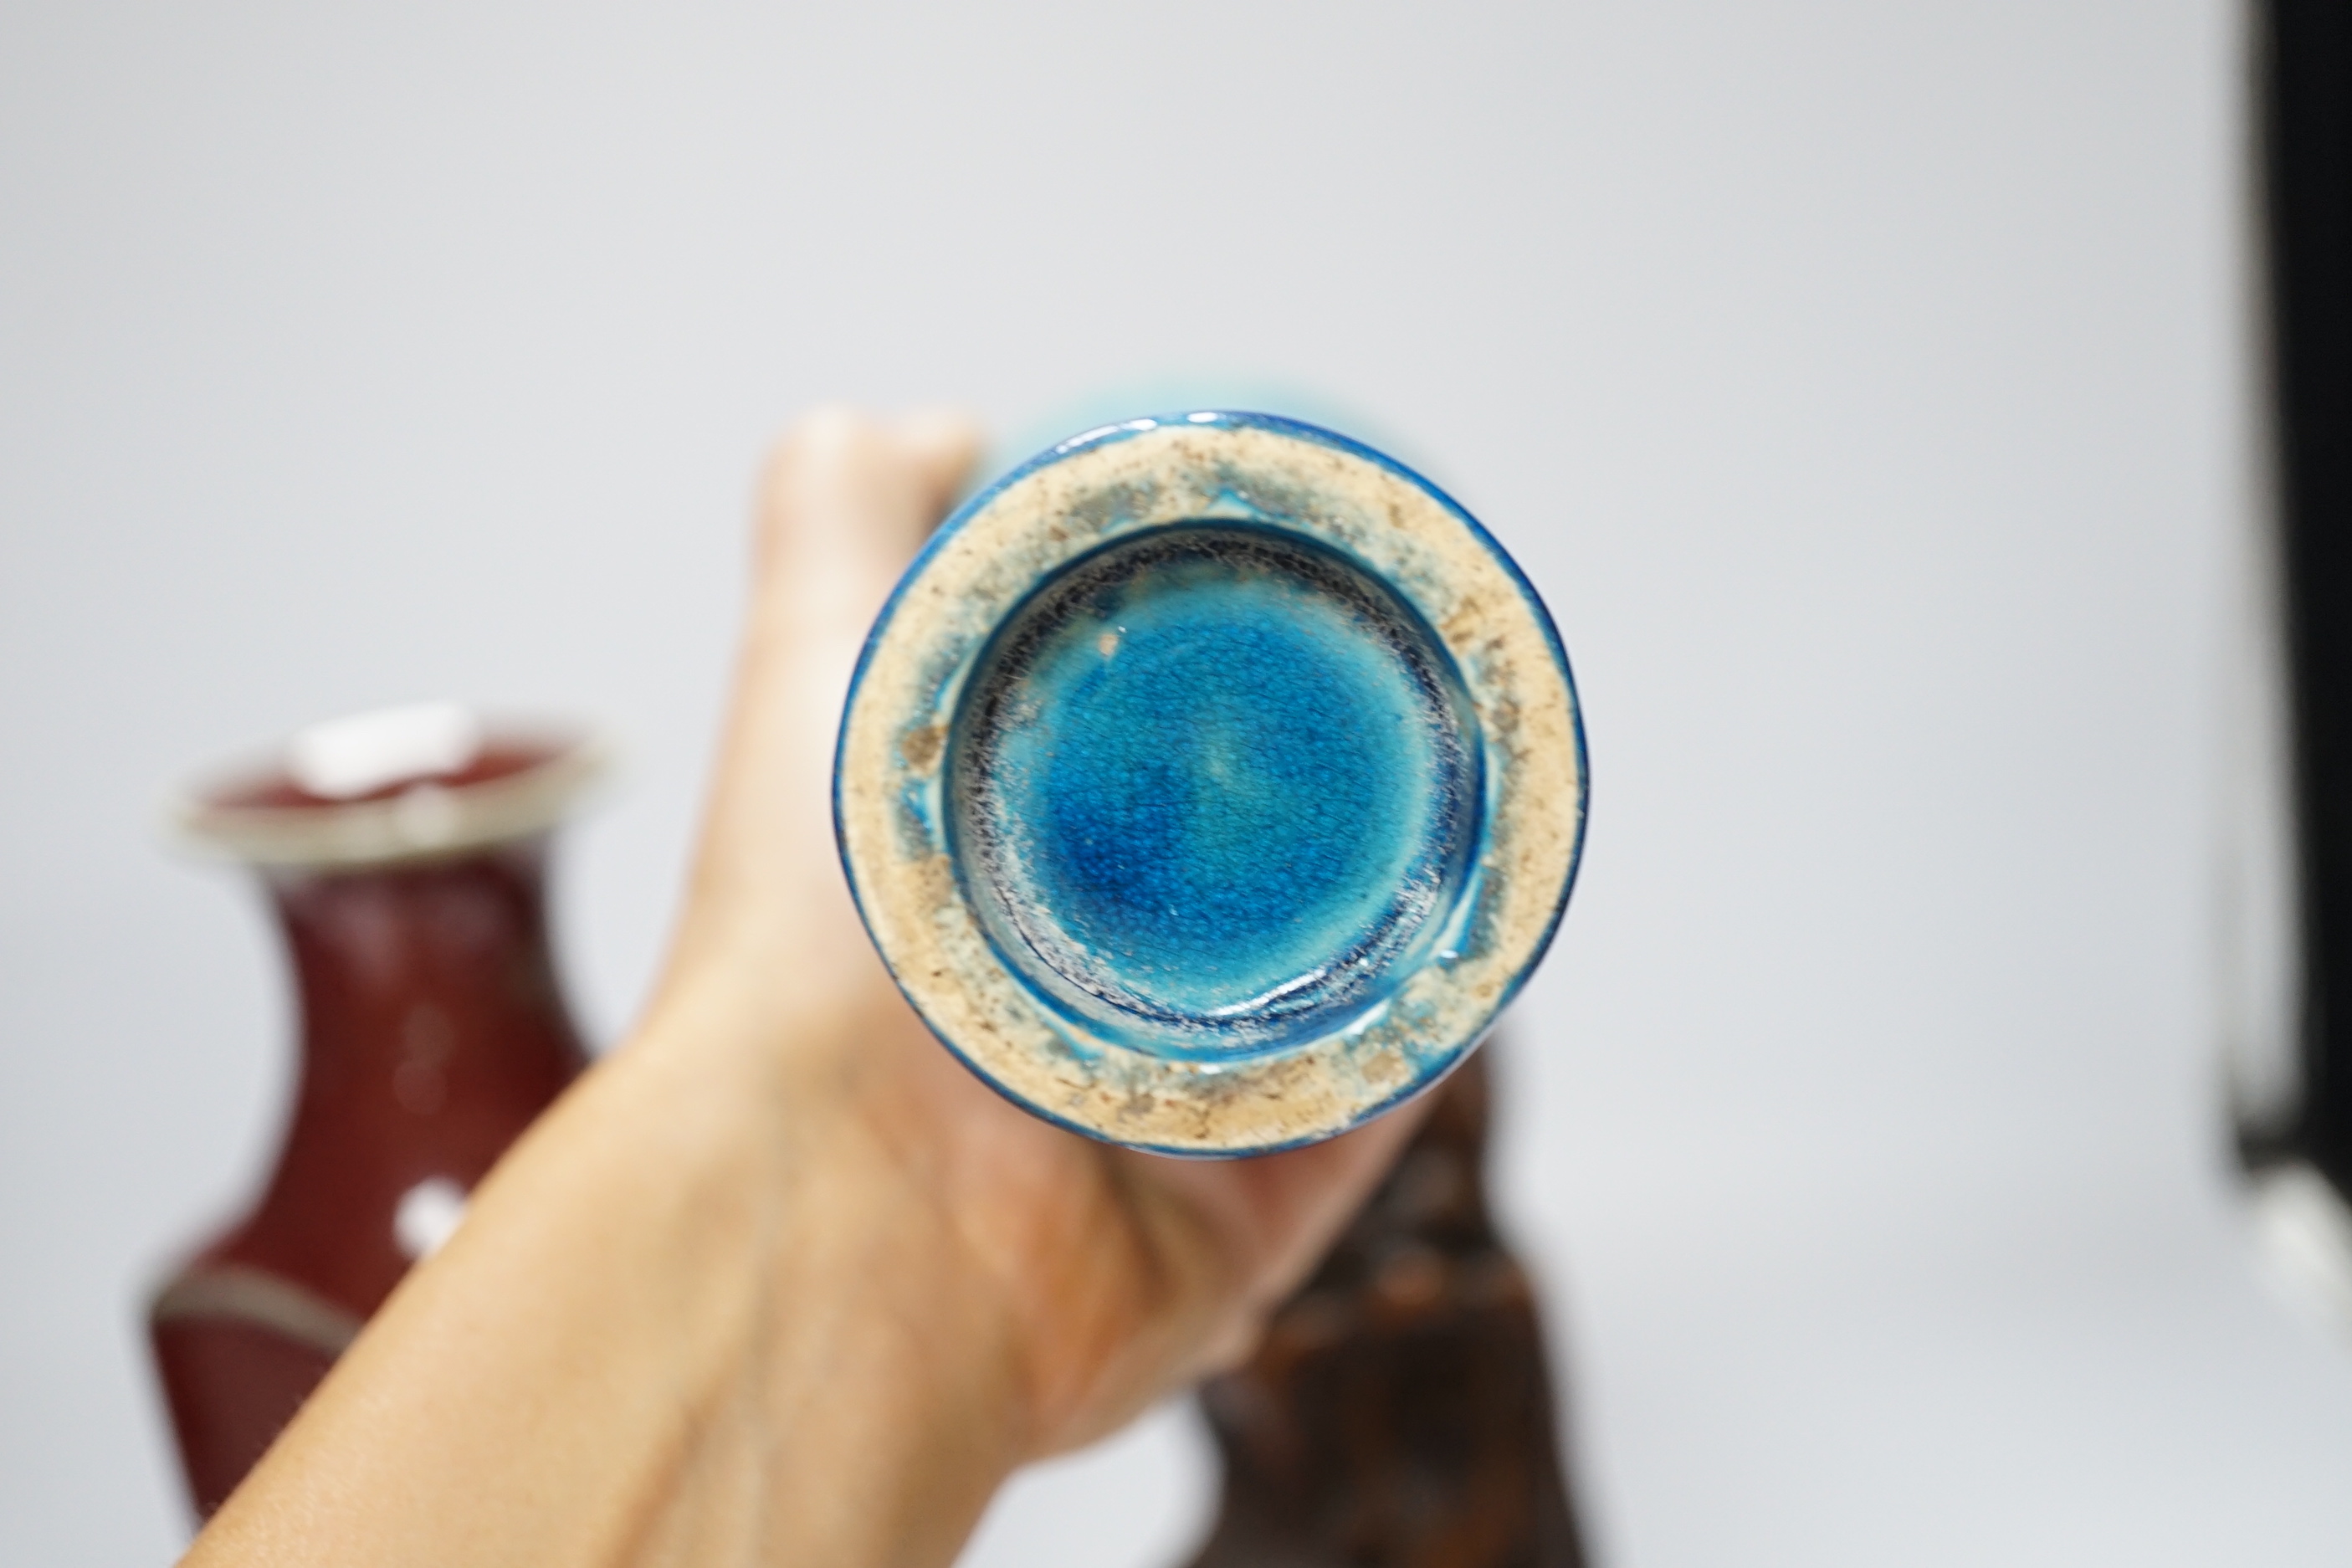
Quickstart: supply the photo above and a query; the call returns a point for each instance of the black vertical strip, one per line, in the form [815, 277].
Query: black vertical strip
[2306, 65]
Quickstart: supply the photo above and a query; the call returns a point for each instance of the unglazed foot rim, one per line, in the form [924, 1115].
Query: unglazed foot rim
[895, 820]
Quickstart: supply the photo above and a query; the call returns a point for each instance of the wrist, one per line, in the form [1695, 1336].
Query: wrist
[687, 1317]
[872, 1382]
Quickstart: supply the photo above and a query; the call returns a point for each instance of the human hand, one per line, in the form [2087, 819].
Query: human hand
[779, 1281]
[1120, 1275]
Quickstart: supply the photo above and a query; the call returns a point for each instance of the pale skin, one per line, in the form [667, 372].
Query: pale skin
[779, 1281]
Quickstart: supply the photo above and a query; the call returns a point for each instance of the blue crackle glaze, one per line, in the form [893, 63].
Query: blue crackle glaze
[1210, 784]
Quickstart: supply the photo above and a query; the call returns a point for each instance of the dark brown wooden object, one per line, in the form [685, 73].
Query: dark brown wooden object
[1399, 1413]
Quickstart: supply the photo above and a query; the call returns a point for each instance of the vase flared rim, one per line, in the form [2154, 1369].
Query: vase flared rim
[483, 780]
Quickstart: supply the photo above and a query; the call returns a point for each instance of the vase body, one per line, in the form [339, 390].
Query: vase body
[1398, 1412]
[432, 1029]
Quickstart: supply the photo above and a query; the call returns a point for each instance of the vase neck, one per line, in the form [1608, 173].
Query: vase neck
[424, 985]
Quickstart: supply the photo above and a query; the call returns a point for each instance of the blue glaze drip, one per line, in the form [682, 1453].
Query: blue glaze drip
[1210, 784]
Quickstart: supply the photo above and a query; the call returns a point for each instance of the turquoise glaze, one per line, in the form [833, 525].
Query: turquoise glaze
[1211, 782]
[1209, 785]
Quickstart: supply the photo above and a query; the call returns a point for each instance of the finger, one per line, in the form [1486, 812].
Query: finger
[1276, 1215]
[845, 501]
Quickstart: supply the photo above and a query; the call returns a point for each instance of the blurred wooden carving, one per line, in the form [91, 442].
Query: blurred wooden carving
[1399, 1414]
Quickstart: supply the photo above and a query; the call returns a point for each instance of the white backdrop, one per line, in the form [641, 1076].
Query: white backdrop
[1860, 383]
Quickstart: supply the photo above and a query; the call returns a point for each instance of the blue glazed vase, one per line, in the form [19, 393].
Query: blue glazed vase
[1211, 782]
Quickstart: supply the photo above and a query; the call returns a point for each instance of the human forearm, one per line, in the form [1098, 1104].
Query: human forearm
[693, 1316]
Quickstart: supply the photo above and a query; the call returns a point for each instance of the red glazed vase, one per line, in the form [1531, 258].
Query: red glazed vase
[404, 854]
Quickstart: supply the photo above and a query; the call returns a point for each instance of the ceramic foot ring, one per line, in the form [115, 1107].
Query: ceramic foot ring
[1211, 782]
